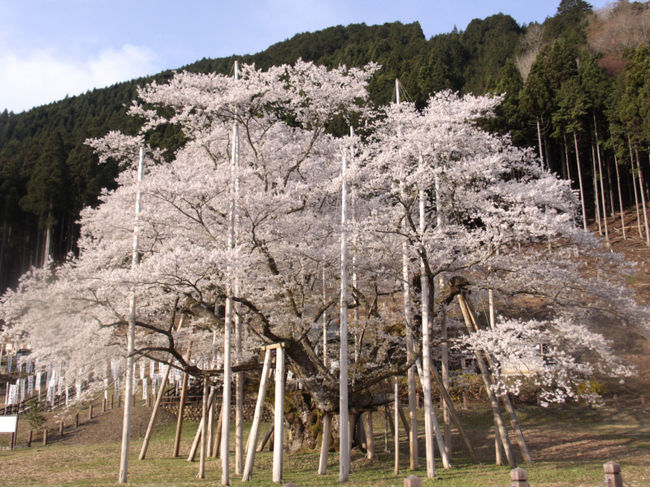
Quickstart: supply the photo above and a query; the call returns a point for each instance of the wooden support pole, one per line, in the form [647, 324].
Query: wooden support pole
[505, 399]
[181, 407]
[387, 427]
[204, 424]
[257, 417]
[396, 422]
[199, 432]
[370, 440]
[103, 405]
[266, 439]
[61, 427]
[405, 421]
[217, 444]
[45, 437]
[325, 444]
[454, 414]
[278, 440]
[434, 421]
[487, 381]
[76, 420]
[211, 428]
[29, 438]
[498, 447]
[112, 401]
[90, 412]
[152, 419]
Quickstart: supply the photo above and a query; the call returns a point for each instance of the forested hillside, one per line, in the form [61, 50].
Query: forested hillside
[577, 90]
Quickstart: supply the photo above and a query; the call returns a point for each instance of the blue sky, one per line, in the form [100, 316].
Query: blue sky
[53, 48]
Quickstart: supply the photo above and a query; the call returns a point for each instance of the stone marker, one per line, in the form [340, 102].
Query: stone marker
[519, 477]
[412, 481]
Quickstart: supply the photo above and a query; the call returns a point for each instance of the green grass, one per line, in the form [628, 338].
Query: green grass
[598, 434]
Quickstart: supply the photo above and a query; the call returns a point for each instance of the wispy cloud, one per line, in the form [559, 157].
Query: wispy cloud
[39, 76]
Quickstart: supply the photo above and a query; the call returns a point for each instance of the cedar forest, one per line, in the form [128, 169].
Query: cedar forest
[48, 174]
[257, 192]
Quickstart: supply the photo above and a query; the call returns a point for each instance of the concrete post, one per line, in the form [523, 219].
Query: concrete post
[412, 481]
[613, 477]
[519, 477]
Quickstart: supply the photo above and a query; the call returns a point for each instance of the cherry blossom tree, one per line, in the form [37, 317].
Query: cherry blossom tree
[460, 200]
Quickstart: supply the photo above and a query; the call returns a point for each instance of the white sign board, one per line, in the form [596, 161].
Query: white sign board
[8, 424]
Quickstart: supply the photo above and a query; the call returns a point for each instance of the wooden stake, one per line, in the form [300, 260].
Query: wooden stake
[90, 412]
[255, 427]
[104, 405]
[45, 437]
[76, 420]
[278, 440]
[61, 426]
[29, 438]
[152, 419]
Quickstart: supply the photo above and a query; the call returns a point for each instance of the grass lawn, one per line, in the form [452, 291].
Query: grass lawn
[569, 445]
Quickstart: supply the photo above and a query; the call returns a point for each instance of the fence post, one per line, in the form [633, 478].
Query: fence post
[519, 477]
[90, 412]
[45, 437]
[613, 477]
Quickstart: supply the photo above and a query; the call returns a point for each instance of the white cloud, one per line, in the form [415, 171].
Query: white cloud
[41, 76]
